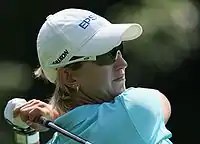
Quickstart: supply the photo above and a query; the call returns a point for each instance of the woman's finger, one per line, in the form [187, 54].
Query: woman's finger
[16, 111]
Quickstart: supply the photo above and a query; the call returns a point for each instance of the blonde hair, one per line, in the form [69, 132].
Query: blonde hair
[61, 98]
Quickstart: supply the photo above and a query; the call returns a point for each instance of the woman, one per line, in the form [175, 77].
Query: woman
[81, 53]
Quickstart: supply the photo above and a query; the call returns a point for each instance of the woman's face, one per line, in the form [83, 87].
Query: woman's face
[102, 82]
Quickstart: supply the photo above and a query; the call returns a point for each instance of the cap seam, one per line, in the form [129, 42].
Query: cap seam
[89, 39]
[51, 21]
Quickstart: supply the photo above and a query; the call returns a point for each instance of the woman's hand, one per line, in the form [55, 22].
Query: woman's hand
[31, 111]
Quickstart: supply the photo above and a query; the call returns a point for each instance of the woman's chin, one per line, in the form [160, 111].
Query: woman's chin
[118, 89]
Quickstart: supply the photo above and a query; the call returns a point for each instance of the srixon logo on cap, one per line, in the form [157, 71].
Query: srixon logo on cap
[86, 22]
[61, 57]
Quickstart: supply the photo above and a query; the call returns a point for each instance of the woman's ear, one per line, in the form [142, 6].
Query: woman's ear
[66, 77]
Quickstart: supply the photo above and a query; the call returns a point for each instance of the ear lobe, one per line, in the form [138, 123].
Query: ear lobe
[68, 78]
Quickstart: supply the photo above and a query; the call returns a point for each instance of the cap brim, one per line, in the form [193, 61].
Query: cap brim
[109, 37]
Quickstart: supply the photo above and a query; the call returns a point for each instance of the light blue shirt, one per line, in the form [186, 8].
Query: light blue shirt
[135, 117]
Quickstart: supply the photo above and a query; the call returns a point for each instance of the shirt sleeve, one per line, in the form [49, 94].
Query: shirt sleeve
[145, 111]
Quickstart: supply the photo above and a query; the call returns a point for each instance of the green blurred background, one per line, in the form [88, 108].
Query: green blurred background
[166, 57]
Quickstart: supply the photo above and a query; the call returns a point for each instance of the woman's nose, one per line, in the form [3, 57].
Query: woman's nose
[120, 62]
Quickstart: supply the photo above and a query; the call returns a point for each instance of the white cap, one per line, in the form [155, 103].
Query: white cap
[77, 32]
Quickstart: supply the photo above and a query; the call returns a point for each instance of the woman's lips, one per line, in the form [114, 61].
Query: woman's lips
[120, 78]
